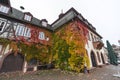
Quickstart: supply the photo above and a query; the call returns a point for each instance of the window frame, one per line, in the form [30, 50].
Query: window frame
[27, 32]
[19, 30]
[41, 36]
[3, 25]
[4, 9]
[27, 17]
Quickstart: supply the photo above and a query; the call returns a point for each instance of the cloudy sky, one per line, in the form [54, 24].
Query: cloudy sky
[102, 14]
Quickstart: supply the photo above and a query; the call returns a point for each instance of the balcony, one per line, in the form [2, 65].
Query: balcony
[98, 44]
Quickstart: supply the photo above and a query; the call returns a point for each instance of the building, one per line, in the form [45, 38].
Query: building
[74, 23]
[16, 28]
[27, 42]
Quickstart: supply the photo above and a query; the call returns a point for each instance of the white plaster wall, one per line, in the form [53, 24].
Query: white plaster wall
[7, 50]
[89, 47]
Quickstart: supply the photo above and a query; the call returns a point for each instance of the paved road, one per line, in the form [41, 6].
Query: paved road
[104, 73]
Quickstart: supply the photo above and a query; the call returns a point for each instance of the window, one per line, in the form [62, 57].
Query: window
[4, 9]
[41, 35]
[92, 37]
[20, 30]
[88, 36]
[44, 23]
[27, 17]
[2, 24]
[27, 32]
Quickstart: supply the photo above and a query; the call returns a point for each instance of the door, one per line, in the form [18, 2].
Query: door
[12, 63]
[93, 59]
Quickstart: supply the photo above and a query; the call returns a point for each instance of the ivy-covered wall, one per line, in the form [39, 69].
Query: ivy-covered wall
[65, 47]
[30, 47]
[69, 46]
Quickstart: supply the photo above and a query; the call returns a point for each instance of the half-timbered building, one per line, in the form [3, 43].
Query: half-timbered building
[26, 42]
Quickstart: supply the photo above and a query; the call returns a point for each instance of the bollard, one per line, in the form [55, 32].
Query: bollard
[85, 70]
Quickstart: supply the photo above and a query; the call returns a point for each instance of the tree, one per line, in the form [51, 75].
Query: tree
[111, 54]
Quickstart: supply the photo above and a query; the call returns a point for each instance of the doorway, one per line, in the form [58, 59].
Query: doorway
[12, 63]
[93, 59]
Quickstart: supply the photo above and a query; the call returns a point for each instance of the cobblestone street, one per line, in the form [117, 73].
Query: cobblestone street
[104, 73]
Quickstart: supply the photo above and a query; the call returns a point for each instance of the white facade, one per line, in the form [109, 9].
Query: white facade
[99, 54]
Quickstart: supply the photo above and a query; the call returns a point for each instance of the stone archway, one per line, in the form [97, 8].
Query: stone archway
[12, 63]
[103, 61]
[93, 59]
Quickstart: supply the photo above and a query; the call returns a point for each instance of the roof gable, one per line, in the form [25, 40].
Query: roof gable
[70, 15]
[19, 15]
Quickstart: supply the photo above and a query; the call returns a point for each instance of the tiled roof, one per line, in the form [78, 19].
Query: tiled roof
[19, 15]
[69, 15]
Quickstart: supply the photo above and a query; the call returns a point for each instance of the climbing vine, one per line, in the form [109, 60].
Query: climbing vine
[61, 53]
[37, 51]
[31, 47]
[67, 49]
[71, 40]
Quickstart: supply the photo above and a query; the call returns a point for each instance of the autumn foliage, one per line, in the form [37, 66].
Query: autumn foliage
[31, 47]
[66, 47]
[69, 47]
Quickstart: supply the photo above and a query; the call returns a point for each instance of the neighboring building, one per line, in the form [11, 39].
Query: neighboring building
[21, 30]
[117, 50]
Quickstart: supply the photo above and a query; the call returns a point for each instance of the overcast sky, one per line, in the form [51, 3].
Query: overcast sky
[102, 14]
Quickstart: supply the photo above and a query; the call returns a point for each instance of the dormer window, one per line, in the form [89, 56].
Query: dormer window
[44, 22]
[4, 9]
[27, 17]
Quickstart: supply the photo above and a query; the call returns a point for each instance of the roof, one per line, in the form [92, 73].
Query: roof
[19, 15]
[70, 15]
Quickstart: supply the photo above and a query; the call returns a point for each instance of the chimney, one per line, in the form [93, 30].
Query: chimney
[61, 14]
